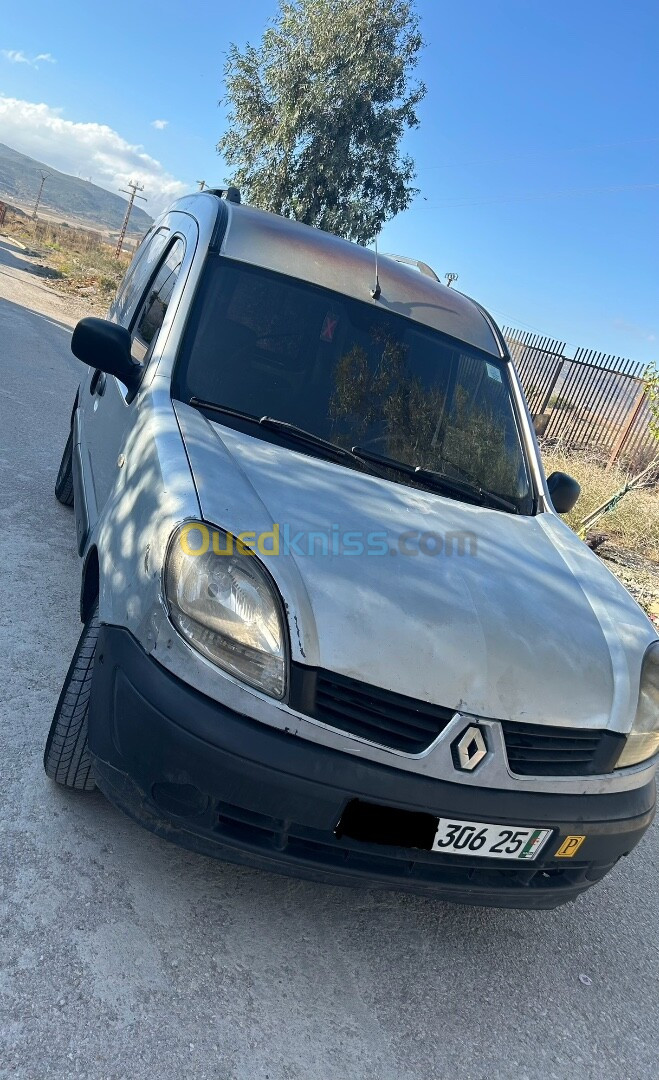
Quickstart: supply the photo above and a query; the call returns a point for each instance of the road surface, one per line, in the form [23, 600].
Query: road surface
[123, 956]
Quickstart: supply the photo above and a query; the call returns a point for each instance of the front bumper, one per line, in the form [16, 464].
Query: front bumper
[195, 772]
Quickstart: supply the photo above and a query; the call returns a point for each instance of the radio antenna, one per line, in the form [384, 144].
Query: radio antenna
[377, 291]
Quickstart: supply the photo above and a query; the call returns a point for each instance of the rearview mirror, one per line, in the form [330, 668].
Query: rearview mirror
[564, 491]
[106, 346]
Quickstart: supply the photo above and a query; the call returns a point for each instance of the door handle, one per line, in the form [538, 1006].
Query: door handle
[97, 384]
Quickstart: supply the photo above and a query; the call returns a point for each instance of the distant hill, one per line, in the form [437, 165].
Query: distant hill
[20, 178]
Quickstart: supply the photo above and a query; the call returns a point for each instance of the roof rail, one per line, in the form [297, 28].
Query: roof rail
[231, 194]
[422, 267]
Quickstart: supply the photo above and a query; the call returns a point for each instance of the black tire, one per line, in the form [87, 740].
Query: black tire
[66, 757]
[64, 482]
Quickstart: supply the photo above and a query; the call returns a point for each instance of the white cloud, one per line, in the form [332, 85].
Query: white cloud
[16, 56]
[89, 149]
[159, 125]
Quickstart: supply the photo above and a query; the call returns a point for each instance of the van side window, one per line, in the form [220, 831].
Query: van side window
[154, 308]
[137, 275]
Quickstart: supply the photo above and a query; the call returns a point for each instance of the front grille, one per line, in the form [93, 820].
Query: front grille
[536, 750]
[391, 720]
[402, 723]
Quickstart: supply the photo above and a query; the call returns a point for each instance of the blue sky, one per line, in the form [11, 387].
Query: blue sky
[537, 154]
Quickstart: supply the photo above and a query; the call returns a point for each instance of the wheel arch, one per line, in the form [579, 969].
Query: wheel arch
[90, 584]
[75, 406]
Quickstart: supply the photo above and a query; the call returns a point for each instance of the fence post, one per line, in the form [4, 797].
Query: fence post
[552, 384]
[619, 444]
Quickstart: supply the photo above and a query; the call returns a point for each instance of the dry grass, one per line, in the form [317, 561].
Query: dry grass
[631, 547]
[82, 263]
[633, 524]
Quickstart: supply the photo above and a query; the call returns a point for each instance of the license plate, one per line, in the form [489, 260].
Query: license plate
[488, 841]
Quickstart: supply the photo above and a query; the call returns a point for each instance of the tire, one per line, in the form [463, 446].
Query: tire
[66, 757]
[64, 481]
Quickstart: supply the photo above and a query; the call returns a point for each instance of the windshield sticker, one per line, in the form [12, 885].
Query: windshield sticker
[493, 372]
[329, 326]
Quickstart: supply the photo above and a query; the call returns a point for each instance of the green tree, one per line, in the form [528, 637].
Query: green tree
[651, 382]
[317, 113]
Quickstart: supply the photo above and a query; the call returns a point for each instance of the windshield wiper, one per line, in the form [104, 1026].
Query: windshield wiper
[308, 438]
[485, 495]
[224, 410]
[292, 431]
[359, 456]
[442, 480]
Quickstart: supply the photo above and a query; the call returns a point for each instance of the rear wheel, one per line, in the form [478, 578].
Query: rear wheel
[66, 757]
[64, 481]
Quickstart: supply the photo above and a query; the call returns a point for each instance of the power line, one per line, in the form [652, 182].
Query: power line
[531, 196]
[514, 319]
[134, 187]
[526, 155]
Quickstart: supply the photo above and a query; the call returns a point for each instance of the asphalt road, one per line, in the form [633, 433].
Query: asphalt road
[123, 956]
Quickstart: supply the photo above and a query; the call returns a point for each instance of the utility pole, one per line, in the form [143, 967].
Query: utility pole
[134, 187]
[202, 184]
[450, 278]
[44, 177]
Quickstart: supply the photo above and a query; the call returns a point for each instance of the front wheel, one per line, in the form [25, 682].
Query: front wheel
[64, 481]
[66, 757]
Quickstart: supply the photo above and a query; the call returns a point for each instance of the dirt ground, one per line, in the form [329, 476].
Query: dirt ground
[74, 262]
[638, 574]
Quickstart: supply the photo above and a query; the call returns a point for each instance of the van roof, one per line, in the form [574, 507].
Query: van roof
[289, 247]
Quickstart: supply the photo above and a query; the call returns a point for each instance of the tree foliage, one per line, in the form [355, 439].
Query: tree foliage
[651, 386]
[317, 113]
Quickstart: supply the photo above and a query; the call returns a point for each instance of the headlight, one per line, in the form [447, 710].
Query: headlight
[223, 602]
[643, 740]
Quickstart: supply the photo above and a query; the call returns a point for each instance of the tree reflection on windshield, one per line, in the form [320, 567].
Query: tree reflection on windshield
[388, 409]
[354, 373]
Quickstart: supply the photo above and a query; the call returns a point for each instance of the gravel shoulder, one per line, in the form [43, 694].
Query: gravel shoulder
[638, 574]
[24, 282]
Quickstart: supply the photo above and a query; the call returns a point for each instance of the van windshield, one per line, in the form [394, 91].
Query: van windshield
[354, 374]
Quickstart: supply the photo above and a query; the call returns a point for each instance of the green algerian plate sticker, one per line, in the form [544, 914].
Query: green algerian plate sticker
[534, 842]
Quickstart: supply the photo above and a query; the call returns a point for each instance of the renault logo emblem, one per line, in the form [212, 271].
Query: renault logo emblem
[470, 749]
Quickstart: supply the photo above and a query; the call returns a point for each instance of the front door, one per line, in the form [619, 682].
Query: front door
[106, 412]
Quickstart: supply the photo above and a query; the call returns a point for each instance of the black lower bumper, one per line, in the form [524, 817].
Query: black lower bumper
[212, 780]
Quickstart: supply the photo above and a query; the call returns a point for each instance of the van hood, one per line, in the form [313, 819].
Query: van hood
[493, 614]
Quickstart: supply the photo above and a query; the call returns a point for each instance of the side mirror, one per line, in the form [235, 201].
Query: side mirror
[564, 491]
[106, 346]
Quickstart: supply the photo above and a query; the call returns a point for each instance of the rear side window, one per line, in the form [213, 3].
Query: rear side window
[137, 275]
[154, 308]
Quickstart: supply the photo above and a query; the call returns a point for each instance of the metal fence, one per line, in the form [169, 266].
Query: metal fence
[591, 399]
